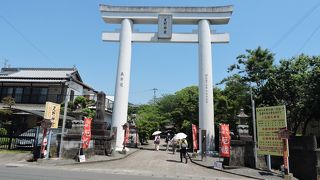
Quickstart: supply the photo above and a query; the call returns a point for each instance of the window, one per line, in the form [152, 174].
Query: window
[18, 95]
[71, 95]
[26, 95]
[9, 91]
[43, 95]
[39, 95]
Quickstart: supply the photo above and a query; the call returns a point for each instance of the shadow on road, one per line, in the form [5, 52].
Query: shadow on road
[175, 161]
[262, 173]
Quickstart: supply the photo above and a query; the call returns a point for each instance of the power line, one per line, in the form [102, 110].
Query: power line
[138, 92]
[26, 39]
[290, 30]
[309, 38]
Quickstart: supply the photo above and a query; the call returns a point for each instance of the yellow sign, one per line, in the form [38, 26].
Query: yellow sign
[52, 112]
[269, 121]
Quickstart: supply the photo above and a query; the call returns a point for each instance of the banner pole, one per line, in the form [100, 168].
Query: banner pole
[269, 162]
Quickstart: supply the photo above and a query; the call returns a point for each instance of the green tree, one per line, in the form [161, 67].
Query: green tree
[229, 101]
[8, 101]
[295, 84]
[255, 68]
[5, 113]
[148, 121]
[80, 103]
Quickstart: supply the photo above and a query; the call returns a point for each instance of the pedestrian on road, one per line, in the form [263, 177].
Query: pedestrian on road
[167, 141]
[157, 142]
[174, 145]
[183, 149]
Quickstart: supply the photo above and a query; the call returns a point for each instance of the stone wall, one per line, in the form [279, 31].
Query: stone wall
[241, 153]
[304, 157]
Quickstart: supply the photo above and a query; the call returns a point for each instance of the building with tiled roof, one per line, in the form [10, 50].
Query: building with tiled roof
[32, 87]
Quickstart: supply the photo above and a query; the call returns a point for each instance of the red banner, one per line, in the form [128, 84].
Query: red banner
[194, 136]
[126, 135]
[44, 143]
[224, 140]
[86, 135]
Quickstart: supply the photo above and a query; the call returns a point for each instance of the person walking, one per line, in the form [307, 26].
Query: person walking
[174, 145]
[167, 141]
[183, 149]
[157, 142]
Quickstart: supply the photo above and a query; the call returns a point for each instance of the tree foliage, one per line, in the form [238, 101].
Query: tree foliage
[8, 101]
[292, 82]
[81, 103]
[295, 84]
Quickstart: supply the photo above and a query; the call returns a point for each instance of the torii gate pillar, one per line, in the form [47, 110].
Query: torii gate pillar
[165, 17]
[206, 112]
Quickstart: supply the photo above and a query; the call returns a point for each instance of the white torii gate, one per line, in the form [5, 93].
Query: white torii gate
[165, 17]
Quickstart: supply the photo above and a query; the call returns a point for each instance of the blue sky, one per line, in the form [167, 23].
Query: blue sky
[60, 33]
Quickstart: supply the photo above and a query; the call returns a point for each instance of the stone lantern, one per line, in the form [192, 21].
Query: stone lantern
[242, 127]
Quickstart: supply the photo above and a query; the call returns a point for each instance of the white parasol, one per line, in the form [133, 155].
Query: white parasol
[180, 136]
[156, 133]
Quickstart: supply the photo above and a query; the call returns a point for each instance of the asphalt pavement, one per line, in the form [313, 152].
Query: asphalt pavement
[207, 163]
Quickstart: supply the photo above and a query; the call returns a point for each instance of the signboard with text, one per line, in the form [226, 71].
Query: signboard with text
[165, 26]
[52, 112]
[269, 121]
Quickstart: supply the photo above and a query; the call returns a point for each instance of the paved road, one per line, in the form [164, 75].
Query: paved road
[154, 164]
[143, 164]
[31, 173]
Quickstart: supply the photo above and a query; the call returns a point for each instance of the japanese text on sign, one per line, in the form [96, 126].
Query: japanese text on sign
[165, 26]
[86, 135]
[52, 112]
[224, 140]
[269, 121]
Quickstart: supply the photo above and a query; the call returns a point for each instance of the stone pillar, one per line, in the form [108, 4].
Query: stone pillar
[99, 127]
[206, 116]
[120, 108]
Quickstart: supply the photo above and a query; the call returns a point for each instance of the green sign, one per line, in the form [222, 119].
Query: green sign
[269, 121]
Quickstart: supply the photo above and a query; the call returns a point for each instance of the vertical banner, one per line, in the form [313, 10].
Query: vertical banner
[44, 143]
[52, 112]
[286, 155]
[126, 135]
[194, 137]
[86, 135]
[224, 140]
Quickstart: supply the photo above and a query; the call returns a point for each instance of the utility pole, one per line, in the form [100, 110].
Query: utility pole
[154, 95]
[66, 100]
[5, 63]
[253, 106]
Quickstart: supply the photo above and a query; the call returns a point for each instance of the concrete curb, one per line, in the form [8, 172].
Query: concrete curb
[97, 161]
[113, 159]
[252, 177]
